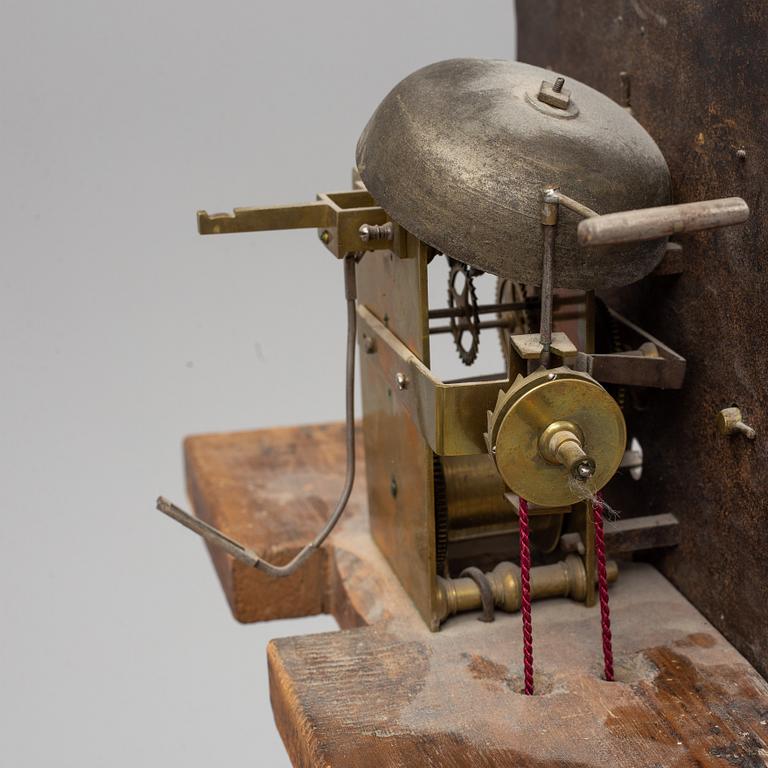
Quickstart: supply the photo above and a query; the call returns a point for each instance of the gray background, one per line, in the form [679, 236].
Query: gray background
[122, 331]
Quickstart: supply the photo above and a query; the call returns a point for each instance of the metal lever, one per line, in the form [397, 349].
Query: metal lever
[653, 223]
[247, 556]
[299, 216]
[209, 533]
[344, 220]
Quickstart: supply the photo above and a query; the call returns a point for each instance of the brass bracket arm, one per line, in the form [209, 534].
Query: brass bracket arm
[445, 413]
[338, 217]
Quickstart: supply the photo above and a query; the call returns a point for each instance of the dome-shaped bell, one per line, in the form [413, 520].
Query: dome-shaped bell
[459, 153]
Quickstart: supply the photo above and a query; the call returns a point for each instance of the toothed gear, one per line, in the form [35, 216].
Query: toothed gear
[441, 517]
[520, 321]
[494, 417]
[462, 295]
[608, 339]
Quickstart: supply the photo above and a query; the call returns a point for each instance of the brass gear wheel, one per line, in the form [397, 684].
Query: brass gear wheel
[520, 320]
[441, 517]
[462, 296]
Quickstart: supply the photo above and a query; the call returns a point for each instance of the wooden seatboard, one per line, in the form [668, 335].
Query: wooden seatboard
[384, 691]
[271, 490]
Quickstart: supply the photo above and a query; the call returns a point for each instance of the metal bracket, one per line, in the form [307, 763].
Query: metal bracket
[445, 413]
[338, 217]
[653, 364]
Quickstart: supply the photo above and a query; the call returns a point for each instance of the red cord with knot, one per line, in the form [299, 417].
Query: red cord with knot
[525, 596]
[602, 585]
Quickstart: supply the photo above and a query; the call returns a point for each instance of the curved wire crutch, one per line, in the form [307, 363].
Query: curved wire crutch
[235, 548]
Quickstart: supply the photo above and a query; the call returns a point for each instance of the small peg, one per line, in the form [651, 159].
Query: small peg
[729, 422]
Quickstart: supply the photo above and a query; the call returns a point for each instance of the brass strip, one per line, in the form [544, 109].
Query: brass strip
[449, 416]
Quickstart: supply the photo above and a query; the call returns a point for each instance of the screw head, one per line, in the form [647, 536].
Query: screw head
[402, 381]
[325, 236]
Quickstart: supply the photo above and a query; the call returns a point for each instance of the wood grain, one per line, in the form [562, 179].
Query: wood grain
[385, 691]
[272, 491]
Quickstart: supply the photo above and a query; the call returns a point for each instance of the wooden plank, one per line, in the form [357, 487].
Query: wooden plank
[271, 490]
[386, 691]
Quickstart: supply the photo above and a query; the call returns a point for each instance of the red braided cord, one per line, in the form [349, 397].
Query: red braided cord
[525, 597]
[602, 587]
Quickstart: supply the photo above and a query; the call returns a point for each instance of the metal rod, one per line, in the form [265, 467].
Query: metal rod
[515, 306]
[209, 533]
[653, 223]
[547, 277]
[575, 206]
[481, 326]
[483, 309]
[549, 225]
[589, 331]
[237, 550]
[505, 323]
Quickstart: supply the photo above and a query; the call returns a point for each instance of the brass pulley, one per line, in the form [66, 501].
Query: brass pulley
[556, 436]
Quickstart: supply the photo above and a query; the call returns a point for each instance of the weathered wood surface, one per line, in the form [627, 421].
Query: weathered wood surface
[272, 491]
[385, 691]
[693, 66]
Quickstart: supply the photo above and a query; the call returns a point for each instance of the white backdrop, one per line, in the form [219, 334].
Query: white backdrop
[122, 331]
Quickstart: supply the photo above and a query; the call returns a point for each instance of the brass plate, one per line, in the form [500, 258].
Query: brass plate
[451, 416]
[398, 461]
